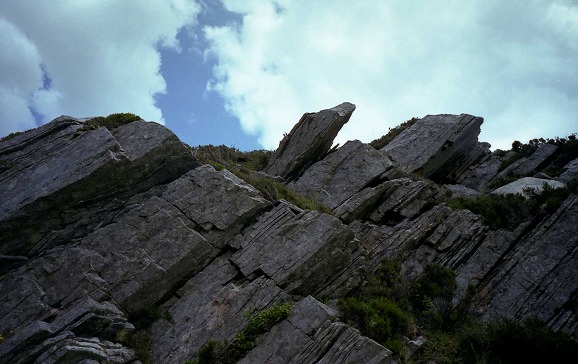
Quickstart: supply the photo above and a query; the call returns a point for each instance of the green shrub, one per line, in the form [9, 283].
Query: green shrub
[274, 191]
[508, 341]
[213, 351]
[377, 318]
[231, 158]
[111, 121]
[384, 140]
[375, 309]
[140, 339]
[12, 135]
[431, 297]
[509, 211]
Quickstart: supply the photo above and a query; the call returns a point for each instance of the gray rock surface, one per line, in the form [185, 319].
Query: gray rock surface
[211, 305]
[529, 165]
[100, 228]
[479, 175]
[389, 202]
[311, 335]
[309, 141]
[539, 276]
[570, 173]
[302, 252]
[439, 147]
[74, 174]
[523, 184]
[342, 173]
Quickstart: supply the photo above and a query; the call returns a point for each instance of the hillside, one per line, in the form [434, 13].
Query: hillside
[119, 244]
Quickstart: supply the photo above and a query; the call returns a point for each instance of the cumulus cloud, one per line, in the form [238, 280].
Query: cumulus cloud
[85, 58]
[512, 63]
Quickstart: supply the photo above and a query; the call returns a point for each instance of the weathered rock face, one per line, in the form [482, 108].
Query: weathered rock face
[570, 173]
[311, 335]
[439, 147]
[98, 227]
[342, 173]
[520, 186]
[309, 140]
[84, 173]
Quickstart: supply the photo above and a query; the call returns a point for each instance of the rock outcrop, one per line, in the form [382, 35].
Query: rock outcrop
[439, 147]
[84, 173]
[524, 184]
[100, 227]
[309, 140]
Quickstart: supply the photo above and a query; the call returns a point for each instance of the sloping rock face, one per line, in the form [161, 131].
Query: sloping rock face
[343, 173]
[153, 229]
[439, 147]
[523, 184]
[309, 140]
[85, 174]
[98, 228]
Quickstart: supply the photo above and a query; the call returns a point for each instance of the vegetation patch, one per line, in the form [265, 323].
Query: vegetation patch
[215, 352]
[392, 133]
[387, 308]
[11, 135]
[140, 339]
[110, 122]
[245, 166]
[509, 211]
[508, 341]
[5, 165]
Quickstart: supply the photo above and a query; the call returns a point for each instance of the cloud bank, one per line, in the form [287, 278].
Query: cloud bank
[512, 63]
[84, 58]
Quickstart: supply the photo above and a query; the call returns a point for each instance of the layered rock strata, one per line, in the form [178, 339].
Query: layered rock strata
[99, 227]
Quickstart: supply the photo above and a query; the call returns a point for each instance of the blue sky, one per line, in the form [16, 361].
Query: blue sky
[241, 73]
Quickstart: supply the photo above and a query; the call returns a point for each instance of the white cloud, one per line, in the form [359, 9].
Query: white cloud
[101, 56]
[514, 64]
[21, 76]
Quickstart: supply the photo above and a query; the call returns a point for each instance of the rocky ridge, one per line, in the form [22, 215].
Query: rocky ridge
[100, 226]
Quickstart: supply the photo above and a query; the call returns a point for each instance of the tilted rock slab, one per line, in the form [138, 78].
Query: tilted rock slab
[60, 177]
[538, 277]
[132, 263]
[215, 304]
[309, 141]
[302, 251]
[439, 147]
[311, 335]
[529, 165]
[342, 173]
[570, 173]
[389, 202]
[523, 184]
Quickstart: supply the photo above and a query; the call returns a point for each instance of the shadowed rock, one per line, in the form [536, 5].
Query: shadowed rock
[438, 147]
[309, 141]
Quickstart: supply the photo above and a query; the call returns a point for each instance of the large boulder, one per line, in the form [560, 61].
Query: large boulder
[309, 141]
[439, 147]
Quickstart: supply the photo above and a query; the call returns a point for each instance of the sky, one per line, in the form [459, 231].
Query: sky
[242, 72]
